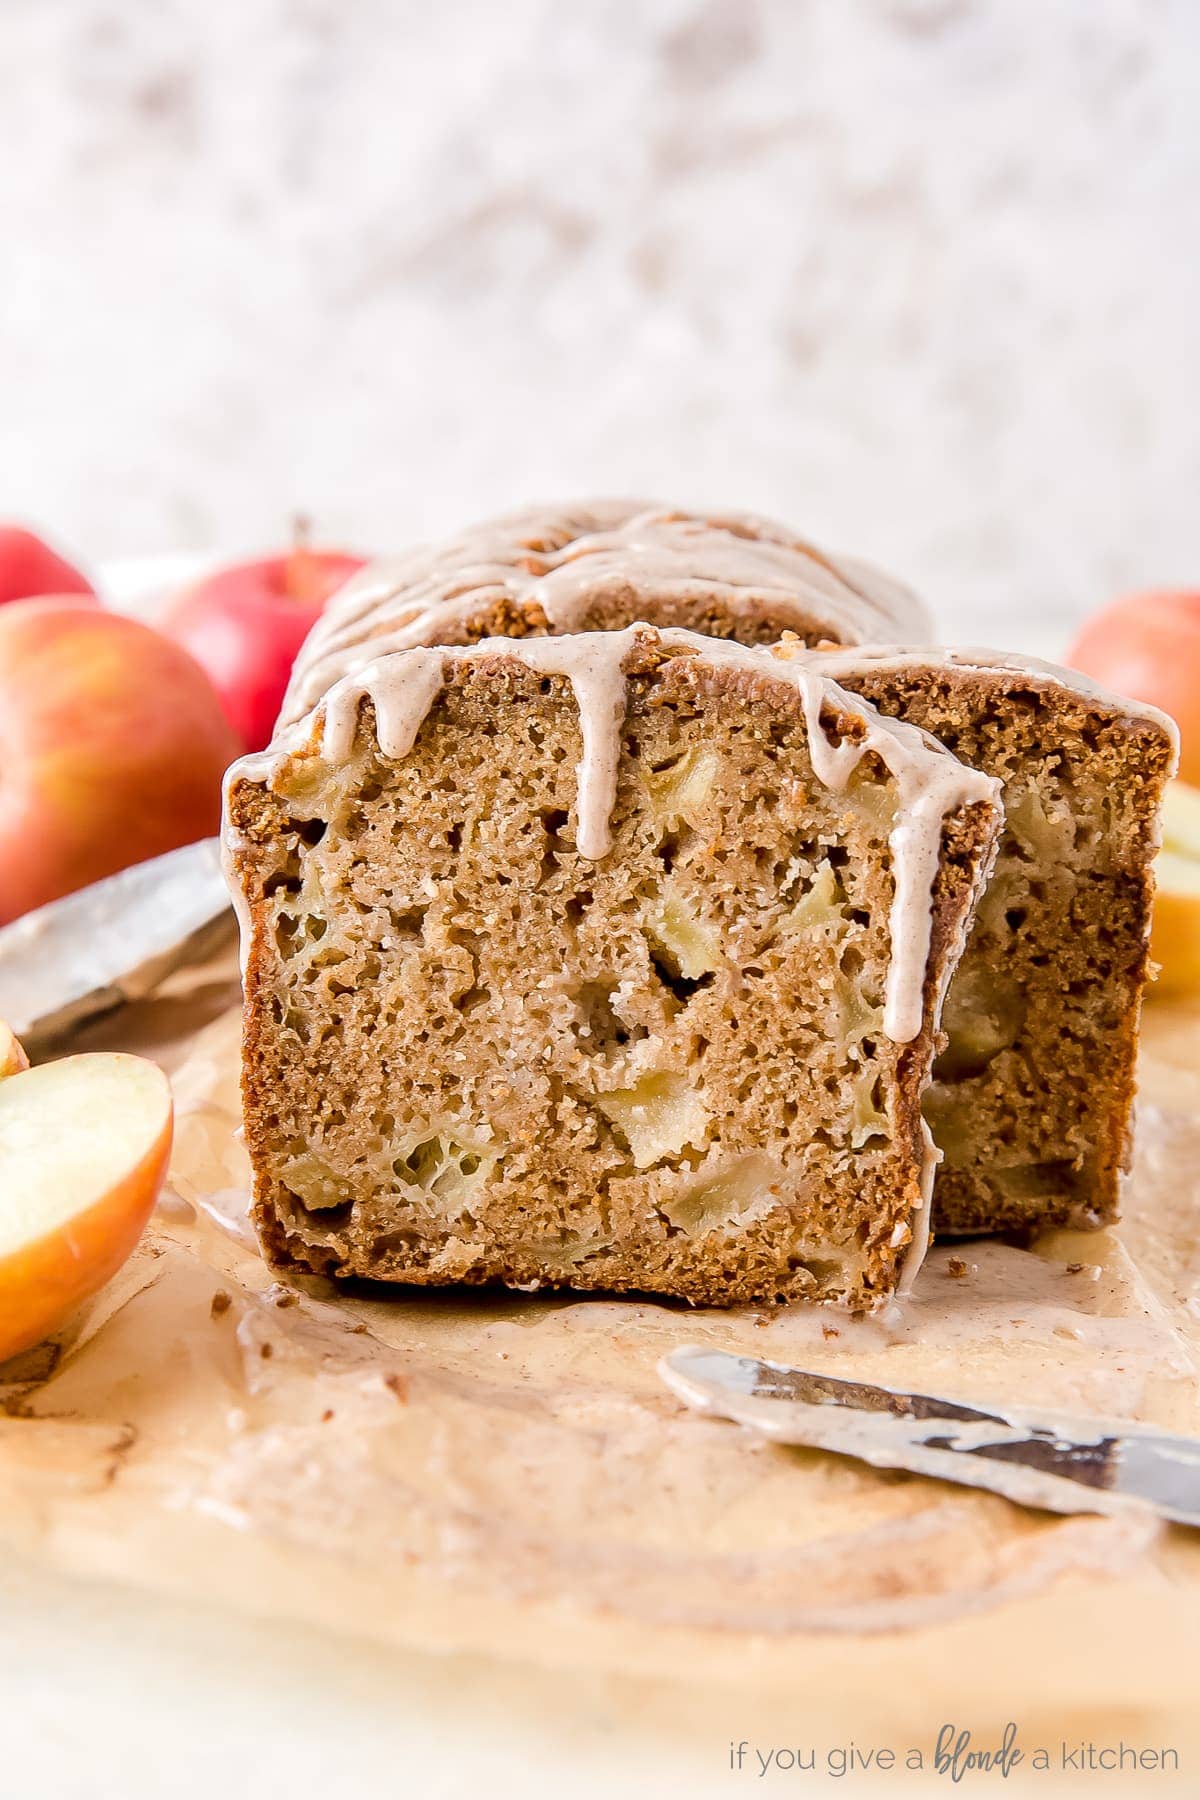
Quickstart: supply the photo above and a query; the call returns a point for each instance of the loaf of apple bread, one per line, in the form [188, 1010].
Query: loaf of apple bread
[1033, 1100]
[610, 960]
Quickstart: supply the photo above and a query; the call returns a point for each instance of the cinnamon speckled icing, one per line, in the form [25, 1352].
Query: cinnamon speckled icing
[402, 686]
[560, 561]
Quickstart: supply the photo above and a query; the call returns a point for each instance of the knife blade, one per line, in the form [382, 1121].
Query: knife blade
[1061, 1462]
[112, 941]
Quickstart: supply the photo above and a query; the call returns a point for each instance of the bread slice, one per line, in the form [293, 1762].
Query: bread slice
[600, 565]
[611, 961]
[1032, 1101]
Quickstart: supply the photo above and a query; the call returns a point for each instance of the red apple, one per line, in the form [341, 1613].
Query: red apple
[112, 748]
[245, 624]
[84, 1145]
[29, 567]
[1148, 645]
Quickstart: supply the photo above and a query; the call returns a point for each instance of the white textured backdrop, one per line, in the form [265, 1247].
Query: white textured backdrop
[920, 275]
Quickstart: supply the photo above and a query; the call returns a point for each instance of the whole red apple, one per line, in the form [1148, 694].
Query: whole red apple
[28, 567]
[1148, 646]
[112, 747]
[245, 624]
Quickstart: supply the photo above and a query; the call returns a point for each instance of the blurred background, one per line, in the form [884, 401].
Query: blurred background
[919, 276]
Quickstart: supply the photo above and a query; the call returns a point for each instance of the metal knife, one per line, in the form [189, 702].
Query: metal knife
[1058, 1461]
[112, 941]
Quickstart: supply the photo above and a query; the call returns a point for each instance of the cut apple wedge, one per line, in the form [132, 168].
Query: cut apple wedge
[84, 1145]
[1175, 932]
[1181, 818]
[12, 1058]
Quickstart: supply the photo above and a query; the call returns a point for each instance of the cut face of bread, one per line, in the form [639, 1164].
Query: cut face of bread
[1032, 1099]
[611, 961]
[601, 565]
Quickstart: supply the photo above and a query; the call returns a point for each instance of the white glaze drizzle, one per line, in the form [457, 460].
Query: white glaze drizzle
[403, 686]
[233, 844]
[402, 698]
[561, 561]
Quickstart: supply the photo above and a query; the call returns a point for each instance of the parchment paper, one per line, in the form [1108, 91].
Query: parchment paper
[505, 1474]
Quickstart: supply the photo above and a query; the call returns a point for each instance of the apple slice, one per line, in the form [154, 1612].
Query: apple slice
[1181, 818]
[1175, 930]
[12, 1058]
[84, 1145]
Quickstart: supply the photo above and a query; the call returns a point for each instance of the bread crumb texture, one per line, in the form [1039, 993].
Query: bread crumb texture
[472, 1054]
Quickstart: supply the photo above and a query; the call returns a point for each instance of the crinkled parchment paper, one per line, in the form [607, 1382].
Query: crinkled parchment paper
[504, 1473]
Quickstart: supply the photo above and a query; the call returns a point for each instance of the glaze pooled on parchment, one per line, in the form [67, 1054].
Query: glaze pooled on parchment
[557, 562]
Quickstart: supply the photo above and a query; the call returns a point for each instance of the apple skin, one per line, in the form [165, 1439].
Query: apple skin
[245, 624]
[112, 748]
[29, 567]
[1148, 646]
[43, 1281]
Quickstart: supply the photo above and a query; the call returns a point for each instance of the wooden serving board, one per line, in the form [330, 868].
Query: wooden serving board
[505, 1474]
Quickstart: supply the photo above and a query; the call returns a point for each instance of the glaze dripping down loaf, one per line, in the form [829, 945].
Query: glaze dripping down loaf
[611, 961]
[601, 565]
